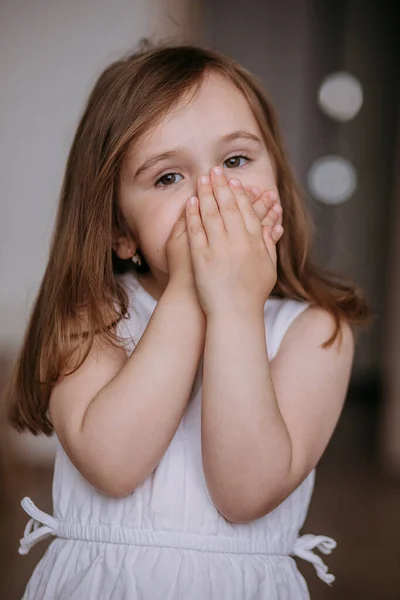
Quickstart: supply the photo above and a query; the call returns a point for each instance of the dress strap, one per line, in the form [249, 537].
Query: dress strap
[304, 546]
[39, 527]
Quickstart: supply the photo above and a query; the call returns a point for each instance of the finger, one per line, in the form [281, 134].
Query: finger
[250, 219]
[196, 233]
[208, 210]
[263, 204]
[253, 193]
[270, 244]
[273, 216]
[272, 237]
[226, 200]
[277, 233]
[270, 197]
[180, 225]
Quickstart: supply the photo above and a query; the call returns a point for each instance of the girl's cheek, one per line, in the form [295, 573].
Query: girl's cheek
[154, 234]
[259, 175]
[261, 181]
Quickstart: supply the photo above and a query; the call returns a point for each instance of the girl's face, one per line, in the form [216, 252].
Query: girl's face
[216, 127]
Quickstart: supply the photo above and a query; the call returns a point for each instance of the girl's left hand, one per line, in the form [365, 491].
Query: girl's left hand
[233, 254]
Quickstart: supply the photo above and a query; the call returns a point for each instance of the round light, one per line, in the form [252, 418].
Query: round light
[332, 179]
[340, 96]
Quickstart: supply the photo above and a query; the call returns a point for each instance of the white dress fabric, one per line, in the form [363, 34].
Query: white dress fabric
[166, 540]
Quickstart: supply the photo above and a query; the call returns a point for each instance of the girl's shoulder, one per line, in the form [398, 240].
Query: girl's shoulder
[279, 314]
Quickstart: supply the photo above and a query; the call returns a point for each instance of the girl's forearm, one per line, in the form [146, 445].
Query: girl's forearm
[129, 424]
[245, 443]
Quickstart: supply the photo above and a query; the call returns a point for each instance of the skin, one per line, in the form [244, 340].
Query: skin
[231, 253]
[195, 129]
[100, 423]
[264, 424]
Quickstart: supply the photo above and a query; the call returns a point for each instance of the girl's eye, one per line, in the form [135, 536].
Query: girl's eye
[234, 161]
[168, 179]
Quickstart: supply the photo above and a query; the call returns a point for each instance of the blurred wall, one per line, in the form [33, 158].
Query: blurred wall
[52, 52]
[292, 46]
[389, 431]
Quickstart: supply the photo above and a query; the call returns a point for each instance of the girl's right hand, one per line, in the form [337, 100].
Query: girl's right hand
[178, 256]
[180, 270]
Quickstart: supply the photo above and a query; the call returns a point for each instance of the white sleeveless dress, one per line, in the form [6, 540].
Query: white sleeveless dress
[166, 540]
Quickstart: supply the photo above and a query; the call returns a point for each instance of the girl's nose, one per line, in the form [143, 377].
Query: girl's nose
[203, 169]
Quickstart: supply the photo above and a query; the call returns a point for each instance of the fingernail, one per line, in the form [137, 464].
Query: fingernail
[235, 182]
[278, 209]
[217, 171]
[273, 195]
[278, 228]
[255, 191]
[204, 179]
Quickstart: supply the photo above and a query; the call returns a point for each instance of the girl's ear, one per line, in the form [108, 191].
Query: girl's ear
[124, 247]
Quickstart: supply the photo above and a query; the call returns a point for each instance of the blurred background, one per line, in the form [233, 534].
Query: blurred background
[331, 68]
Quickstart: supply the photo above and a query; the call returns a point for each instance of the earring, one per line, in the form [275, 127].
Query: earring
[136, 259]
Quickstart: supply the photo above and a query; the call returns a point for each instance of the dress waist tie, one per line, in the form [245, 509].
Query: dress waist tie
[41, 526]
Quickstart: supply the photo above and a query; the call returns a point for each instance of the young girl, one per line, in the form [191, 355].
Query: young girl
[192, 371]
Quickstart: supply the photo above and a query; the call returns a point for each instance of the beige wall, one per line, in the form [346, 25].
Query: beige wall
[51, 54]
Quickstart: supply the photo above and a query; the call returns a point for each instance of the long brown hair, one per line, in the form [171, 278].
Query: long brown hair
[79, 290]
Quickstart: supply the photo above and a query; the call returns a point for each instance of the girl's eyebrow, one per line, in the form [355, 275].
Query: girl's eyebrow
[152, 160]
[235, 135]
[244, 135]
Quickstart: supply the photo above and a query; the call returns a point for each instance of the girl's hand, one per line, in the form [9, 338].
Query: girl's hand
[268, 210]
[265, 206]
[180, 273]
[233, 254]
